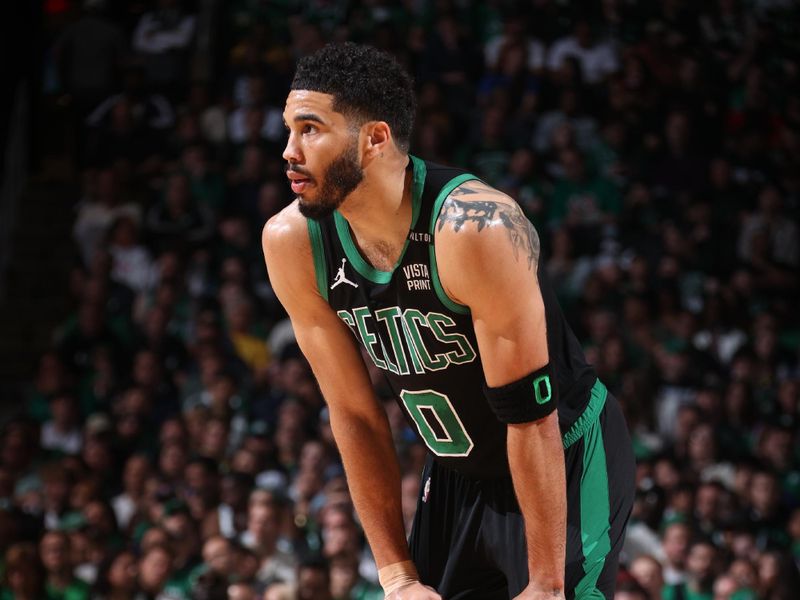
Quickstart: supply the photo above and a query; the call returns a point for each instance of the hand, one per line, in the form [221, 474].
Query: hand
[537, 593]
[414, 591]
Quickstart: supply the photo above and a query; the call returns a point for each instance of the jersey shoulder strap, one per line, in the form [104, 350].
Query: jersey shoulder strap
[440, 180]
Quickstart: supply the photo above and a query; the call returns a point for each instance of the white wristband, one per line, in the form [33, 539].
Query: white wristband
[397, 575]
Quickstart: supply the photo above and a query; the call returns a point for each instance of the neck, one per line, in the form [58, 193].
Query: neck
[379, 211]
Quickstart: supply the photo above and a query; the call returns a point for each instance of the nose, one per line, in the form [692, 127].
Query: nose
[291, 153]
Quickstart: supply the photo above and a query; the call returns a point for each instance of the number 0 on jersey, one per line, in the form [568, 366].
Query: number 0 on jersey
[437, 423]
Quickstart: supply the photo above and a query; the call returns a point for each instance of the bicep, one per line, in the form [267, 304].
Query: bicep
[490, 264]
[511, 333]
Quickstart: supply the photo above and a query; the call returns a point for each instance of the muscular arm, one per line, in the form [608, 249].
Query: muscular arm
[358, 420]
[488, 253]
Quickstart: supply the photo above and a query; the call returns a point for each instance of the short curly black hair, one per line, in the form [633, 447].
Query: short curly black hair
[366, 84]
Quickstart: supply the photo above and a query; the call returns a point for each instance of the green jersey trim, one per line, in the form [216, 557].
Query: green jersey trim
[589, 415]
[437, 207]
[318, 252]
[595, 512]
[365, 269]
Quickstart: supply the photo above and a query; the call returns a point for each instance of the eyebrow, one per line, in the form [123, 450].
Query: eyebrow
[308, 117]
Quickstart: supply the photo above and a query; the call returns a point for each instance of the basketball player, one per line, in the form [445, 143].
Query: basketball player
[529, 481]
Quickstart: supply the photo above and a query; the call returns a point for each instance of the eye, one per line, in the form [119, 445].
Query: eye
[308, 128]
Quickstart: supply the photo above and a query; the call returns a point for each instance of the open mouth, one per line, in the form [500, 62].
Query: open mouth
[299, 185]
[299, 182]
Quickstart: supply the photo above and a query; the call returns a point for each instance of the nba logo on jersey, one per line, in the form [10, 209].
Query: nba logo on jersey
[426, 490]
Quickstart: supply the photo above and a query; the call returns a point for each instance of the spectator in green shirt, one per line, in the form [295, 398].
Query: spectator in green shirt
[185, 544]
[583, 202]
[60, 583]
[206, 185]
[347, 583]
[155, 569]
[23, 576]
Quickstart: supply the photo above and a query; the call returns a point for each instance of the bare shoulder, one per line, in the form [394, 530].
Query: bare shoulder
[287, 252]
[285, 233]
[478, 218]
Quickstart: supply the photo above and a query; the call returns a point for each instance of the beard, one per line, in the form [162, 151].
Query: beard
[342, 176]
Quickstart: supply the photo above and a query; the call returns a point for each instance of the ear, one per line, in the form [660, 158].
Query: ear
[378, 138]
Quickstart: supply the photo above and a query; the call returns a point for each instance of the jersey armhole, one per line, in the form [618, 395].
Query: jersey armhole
[318, 252]
[437, 207]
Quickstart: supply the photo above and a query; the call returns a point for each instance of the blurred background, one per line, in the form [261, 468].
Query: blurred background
[162, 437]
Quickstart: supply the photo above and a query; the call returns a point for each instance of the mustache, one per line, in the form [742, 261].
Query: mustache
[296, 169]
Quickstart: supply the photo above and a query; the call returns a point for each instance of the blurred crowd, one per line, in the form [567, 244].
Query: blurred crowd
[174, 444]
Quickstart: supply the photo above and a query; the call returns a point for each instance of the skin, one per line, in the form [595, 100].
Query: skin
[487, 256]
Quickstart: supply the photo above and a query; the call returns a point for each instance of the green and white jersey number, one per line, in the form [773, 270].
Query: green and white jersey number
[437, 423]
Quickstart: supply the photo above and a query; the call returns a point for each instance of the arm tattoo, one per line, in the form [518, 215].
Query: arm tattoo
[485, 213]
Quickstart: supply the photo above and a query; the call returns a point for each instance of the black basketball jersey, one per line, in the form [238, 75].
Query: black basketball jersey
[425, 342]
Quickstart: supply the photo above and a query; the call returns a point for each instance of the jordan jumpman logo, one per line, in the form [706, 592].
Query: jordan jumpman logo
[341, 277]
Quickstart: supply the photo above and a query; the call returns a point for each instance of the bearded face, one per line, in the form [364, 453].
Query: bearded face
[341, 177]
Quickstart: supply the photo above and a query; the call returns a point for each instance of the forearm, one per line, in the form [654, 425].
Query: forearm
[536, 459]
[373, 476]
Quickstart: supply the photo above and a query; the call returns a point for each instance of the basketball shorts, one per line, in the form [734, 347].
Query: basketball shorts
[468, 536]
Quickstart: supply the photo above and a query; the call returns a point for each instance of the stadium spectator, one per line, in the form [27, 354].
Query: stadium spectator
[596, 57]
[173, 443]
[262, 536]
[60, 582]
[23, 578]
[163, 37]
